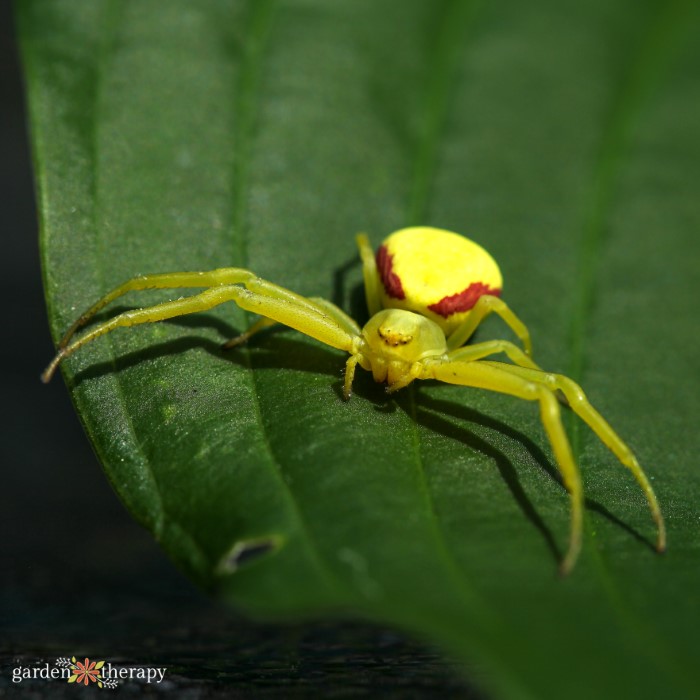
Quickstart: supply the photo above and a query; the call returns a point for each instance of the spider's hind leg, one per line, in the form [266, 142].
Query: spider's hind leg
[369, 273]
[244, 337]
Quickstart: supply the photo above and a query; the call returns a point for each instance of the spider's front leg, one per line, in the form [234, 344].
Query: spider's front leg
[579, 403]
[258, 296]
[338, 315]
[168, 280]
[535, 385]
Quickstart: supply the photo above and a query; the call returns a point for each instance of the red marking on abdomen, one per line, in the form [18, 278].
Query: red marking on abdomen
[463, 301]
[390, 280]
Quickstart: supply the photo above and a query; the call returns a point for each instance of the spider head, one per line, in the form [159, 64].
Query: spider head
[396, 335]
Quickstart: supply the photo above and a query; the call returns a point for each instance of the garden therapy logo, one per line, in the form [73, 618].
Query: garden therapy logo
[86, 672]
[102, 674]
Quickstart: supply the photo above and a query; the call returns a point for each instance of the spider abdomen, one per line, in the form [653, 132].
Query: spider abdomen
[435, 273]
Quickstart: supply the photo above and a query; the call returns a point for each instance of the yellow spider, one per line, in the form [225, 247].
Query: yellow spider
[427, 291]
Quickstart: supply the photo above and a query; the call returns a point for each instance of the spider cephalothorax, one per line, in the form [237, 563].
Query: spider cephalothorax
[427, 291]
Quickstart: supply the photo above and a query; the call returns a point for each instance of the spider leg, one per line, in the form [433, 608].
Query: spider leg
[470, 354]
[484, 306]
[369, 272]
[337, 314]
[580, 404]
[272, 302]
[169, 280]
[244, 337]
[507, 379]
[492, 347]
[350, 366]
[344, 321]
[415, 372]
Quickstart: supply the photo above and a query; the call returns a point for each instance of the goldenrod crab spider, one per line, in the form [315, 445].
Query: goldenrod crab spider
[427, 291]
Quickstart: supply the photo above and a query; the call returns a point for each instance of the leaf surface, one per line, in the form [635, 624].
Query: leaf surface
[563, 136]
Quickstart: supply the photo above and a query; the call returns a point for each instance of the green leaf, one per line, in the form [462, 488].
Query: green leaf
[564, 136]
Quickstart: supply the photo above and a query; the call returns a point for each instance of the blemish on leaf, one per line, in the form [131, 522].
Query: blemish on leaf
[245, 552]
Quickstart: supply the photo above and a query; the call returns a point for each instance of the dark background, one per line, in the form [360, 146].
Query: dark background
[81, 578]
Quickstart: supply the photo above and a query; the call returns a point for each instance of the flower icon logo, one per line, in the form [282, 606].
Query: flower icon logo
[86, 672]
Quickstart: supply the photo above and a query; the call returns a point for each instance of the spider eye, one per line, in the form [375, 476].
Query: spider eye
[394, 337]
[402, 336]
